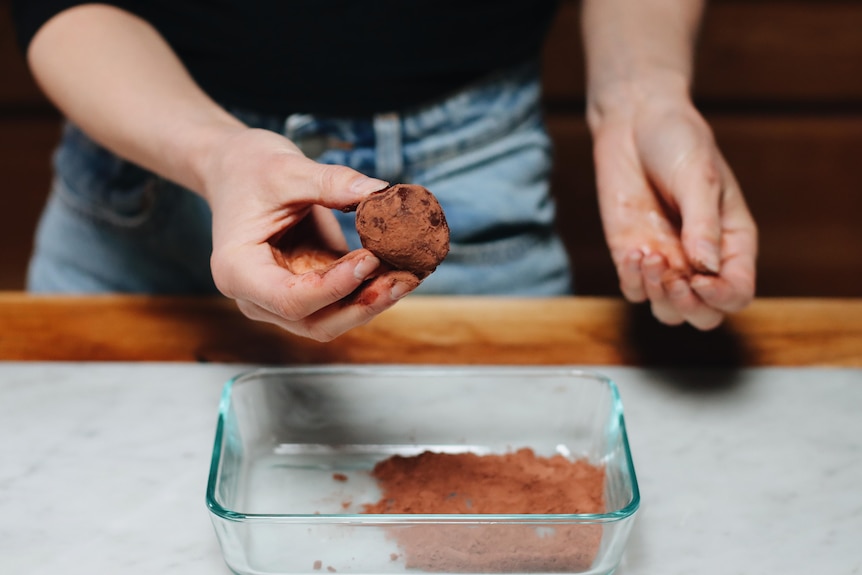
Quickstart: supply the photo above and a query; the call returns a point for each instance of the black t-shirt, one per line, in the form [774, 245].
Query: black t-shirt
[332, 57]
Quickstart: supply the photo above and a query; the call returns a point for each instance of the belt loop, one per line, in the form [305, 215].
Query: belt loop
[294, 123]
[388, 153]
[301, 130]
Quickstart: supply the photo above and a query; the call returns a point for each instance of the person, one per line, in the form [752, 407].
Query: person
[206, 142]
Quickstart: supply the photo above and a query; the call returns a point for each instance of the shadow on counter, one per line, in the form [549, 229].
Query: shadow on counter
[684, 357]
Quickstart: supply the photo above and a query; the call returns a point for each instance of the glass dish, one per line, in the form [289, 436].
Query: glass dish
[294, 448]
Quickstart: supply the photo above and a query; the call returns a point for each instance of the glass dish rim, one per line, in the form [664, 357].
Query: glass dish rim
[415, 518]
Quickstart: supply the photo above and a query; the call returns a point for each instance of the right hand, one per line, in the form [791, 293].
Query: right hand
[271, 205]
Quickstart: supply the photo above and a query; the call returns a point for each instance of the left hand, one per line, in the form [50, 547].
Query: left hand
[678, 228]
[278, 250]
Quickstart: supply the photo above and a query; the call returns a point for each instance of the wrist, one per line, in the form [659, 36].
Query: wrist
[610, 99]
[197, 145]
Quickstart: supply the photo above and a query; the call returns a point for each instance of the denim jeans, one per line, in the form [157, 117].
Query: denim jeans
[110, 226]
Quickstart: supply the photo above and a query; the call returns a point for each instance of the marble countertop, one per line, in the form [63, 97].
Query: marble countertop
[103, 468]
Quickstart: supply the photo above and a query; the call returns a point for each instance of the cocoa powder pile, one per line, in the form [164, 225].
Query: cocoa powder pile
[512, 483]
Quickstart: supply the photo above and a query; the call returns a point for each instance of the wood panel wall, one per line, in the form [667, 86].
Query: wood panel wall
[779, 80]
[29, 129]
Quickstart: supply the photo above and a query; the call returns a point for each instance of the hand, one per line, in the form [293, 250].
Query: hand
[271, 213]
[677, 225]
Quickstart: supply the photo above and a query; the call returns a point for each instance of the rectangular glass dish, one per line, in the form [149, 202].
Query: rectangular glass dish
[294, 449]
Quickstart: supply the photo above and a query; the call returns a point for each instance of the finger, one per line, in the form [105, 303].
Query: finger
[334, 320]
[655, 269]
[631, 277]
[698, 188]
[673, 300]
[687, 303]
[293, 296]
[731, 291]
[734, 288]
[392, 284]
[632, 216]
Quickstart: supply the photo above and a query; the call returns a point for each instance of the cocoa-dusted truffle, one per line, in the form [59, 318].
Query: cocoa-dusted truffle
[405, 227]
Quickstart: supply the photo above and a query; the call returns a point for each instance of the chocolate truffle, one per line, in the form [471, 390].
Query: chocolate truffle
[405, 227]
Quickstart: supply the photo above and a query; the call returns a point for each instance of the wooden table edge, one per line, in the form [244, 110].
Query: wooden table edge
[431, 330]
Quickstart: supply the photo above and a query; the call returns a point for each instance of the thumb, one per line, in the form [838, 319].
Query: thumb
[697, 191]
[330, 185]
[700, 209]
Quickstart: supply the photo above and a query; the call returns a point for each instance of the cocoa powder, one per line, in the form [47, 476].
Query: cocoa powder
[513, 483]
[404, 225]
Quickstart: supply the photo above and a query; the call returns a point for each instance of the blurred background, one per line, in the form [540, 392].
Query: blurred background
[779, 80]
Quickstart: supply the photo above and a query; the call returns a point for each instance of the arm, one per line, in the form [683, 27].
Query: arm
[112, 74]
[677, 225]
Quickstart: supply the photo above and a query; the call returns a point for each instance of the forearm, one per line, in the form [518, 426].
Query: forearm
[112, 74]
[637, 48]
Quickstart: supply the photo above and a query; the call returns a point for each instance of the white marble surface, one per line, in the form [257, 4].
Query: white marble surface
[103, 469]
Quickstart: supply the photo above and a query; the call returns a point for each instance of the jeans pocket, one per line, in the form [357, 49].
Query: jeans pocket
[100, 185]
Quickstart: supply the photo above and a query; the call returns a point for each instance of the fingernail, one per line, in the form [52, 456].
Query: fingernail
[707, 255]
[363, 185]
[635, 256]
[651, 268]
[365, 266]
[399, 290]
[678, 290]
[652, 260]
[701, 284]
